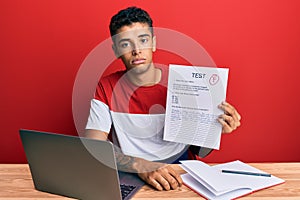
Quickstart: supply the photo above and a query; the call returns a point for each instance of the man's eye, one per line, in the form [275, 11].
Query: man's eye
[144, 40]
[124, 44]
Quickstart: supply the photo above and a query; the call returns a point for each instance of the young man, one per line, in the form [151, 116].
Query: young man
[130, 105]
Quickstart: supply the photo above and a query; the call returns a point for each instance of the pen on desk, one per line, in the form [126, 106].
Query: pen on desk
[246, 173]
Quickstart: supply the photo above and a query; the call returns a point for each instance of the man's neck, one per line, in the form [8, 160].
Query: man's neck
[148, 78]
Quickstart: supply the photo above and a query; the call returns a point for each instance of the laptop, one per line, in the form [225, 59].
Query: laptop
[76, 167]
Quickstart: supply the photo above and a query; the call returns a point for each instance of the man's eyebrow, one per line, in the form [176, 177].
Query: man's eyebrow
[144, 35]
[124, 40]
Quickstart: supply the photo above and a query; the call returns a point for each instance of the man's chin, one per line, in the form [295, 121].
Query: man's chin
[139, 69]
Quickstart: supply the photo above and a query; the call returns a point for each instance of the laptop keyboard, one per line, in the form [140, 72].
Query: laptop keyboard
[126, 190]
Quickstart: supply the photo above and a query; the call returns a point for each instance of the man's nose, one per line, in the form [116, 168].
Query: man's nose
[136, 49]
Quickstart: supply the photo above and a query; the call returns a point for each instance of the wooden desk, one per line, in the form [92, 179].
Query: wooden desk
[16, 183]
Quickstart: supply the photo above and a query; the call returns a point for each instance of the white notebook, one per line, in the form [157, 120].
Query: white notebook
[212, 183]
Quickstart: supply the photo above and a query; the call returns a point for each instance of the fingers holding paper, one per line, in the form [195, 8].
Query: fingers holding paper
[230, 120]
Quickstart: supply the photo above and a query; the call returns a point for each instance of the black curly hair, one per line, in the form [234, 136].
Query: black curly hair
[127, 17]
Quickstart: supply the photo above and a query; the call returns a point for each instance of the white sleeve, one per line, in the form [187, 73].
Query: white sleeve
[99, 118]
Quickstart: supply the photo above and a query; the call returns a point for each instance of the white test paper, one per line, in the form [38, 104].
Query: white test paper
[193, 96]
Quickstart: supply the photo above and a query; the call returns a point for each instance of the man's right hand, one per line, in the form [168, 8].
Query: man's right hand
[159, 175]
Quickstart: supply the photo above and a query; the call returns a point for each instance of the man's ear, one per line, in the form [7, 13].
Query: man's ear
[154, 44]
[115, 50]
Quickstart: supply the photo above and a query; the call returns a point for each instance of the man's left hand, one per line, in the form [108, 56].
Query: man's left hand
[230, 120]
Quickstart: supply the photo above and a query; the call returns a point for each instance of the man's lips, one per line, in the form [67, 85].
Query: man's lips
[138, 61]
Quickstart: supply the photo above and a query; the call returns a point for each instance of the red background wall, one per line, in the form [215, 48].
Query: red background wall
[43, 44]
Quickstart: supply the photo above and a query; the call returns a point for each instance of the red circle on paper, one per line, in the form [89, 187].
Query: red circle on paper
[214, 79]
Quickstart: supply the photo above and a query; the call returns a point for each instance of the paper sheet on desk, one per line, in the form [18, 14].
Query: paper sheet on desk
[194, 94]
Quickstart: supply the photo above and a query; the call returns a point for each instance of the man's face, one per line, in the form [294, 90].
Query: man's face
[134, 44]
